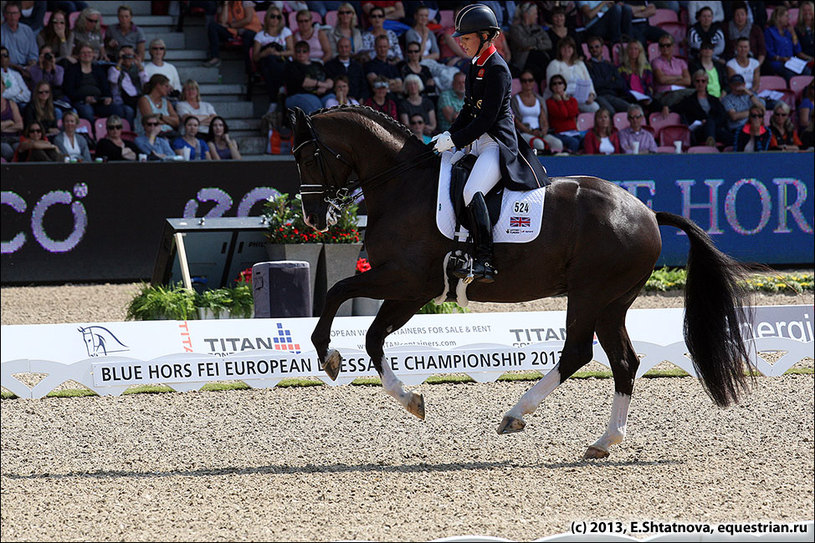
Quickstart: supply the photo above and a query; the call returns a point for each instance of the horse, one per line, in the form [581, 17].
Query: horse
[598, 245]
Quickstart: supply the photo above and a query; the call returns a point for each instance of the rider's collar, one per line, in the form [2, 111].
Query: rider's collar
[482, 58]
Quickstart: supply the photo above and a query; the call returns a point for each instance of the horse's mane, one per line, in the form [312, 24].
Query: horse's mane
[377, 116]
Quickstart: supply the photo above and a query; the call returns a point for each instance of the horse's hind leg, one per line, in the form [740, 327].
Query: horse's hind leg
[392, 316]
[624, 364]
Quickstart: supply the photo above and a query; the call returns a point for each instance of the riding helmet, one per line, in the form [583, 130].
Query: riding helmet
[475, 18]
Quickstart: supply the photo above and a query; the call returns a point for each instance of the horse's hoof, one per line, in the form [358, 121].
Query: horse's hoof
[332, 364]
[416, 405]
[511, 425]
[594, 453]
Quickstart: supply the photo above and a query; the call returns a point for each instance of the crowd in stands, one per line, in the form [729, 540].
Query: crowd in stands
[590, 77]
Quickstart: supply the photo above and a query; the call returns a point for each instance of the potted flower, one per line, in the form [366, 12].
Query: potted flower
[174, 302]
[365, 306]
[341, 248]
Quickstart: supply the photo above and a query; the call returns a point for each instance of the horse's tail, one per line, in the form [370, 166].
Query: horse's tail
[714, 302]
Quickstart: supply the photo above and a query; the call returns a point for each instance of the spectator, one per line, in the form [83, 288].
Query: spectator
[804, 31]
[41, 109]
[197, 148]
[113, 148]
[635, 132]
[307, 85]
[88, 31]
[323, 7]
[11, 123]
[34, 147]
[232, 20]
[715, 6]
[87, 86]
[346, 27]
[704, 114]
[192, 105]
[157, 65]
[151, 143]
[784, 135]
[671, 75]
[705, 30]
[391, 10]
[413, 67]
[125, 33]
[745, 66]
[16, 89]
[57, 36]
[71, 143]
[221, 145]
[607, 19]
[380, 100]
[574, 72]
[369, 39]
[16, 38]
[32, 15]
[716, 71]
[414, 103]
[740, 28]
[642, 31]
[530, 44]
[423, 36]
[612, 89]
[530, 115]
[273, 45]
[563, 111]
[49, 71]
[738, 101]
[341, 96]
[450, 102]
[754, 136]
[381, 66]
[417, 126]
[126, 81]
[805, 116]
[559, 29]
[344, 65]
[155, 102]
[307, 31]
[637, 73]
[782, 45]
[602, 139]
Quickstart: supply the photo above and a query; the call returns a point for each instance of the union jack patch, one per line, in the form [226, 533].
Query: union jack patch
[519, 222]
[480, 73]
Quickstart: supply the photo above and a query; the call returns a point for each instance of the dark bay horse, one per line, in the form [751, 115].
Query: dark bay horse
[598, 245]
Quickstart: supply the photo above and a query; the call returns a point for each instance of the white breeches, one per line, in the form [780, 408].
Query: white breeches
[487, 169]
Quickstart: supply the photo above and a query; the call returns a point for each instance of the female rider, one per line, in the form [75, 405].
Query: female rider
[486, 122]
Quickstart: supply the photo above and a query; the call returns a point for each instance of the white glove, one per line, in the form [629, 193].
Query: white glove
[443, 143]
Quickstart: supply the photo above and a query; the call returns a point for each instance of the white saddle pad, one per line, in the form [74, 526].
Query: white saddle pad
[521, 212]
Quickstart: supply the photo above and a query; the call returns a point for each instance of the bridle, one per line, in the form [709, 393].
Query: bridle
[344, 195]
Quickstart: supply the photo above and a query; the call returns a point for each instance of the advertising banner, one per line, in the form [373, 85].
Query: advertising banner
[103, 222]
[109, 357]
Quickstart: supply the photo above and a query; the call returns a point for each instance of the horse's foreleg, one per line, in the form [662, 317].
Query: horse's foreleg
[392, 316]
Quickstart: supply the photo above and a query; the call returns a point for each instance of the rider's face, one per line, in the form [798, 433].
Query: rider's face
[470, 43]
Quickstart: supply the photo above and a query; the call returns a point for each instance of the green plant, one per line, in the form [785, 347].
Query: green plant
[432, 308]
[175, 302]
[345, 230]
[284, 216]
[238, 301]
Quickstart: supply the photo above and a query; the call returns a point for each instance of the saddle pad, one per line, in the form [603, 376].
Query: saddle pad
[521, 212]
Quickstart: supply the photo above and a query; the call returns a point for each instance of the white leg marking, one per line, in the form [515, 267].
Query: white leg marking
[616, 426]
[393, 385]
[535, 395]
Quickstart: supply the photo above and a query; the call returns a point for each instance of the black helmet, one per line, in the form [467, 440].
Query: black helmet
[475, 18]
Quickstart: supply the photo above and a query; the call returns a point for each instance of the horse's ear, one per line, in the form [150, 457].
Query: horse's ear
[298, 117]
[293, 117]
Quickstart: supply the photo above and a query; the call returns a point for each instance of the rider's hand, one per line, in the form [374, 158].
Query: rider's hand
[443, 143]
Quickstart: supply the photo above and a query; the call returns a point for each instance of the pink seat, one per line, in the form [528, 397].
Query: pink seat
[585, 121]
[767, 116]
[793, 16]
[331, 18]
[447, 18]
[666, 149]
[621, 120]
[46, 18]
[72, 17]
[663, 16]
[798, 83]
[653, 51]
[617, 53]
[702, 149]
[516, 85]
[674, 132]
[679, 31]
[772, 82]
[100, 127]
[656, 121]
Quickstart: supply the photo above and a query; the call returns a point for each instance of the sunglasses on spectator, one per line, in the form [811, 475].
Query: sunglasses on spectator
[375, 16]
[778, 114]
[157, 48]
[114, 127]
[275, 16]
[416, 122]
[345, 12]
[700, 80]
[756, 116]
[301, 50]
[44, 91]
[557, 83]
[381, 85]
[94, 21]
[633, 117]
[529, 80]
[59, 22]
[413, 50]
[35, 131]
[303, 20]
[151, 123]
[665, 44]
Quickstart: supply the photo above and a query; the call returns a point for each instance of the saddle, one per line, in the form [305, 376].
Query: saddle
[458, 178]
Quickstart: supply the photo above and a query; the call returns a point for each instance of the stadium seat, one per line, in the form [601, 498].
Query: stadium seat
[72, 17]
[516, 85]
[666, 149]
[447, 18]
[653, 51]
[679, 31]
[100, 127]
[585, 121]
[797, 85]
[656, 121]
[702, 149]
[617, 51]
[663, 16]
[772, 82]
[620, 120]
[331, 18]
[261, 15]
[46, 18]
[674, 132]
[793, 17]
[767, 116]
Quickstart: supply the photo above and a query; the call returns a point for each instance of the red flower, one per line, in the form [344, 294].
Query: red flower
[363, 265]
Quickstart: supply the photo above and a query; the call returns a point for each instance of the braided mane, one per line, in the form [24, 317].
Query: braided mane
[371, 113]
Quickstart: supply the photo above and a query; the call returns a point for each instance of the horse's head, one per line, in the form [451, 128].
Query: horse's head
[323, 170]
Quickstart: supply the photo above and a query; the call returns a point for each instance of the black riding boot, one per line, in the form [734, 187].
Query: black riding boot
[481, 231]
